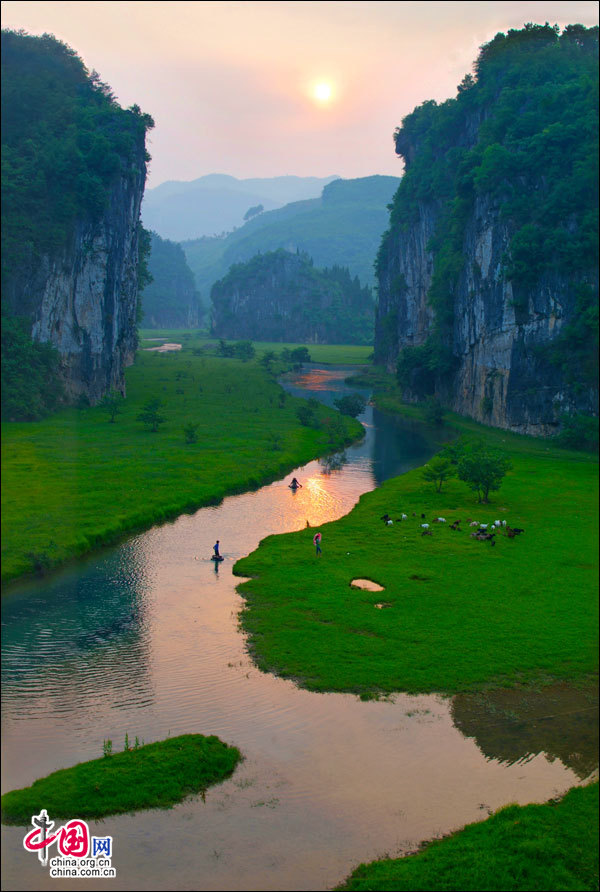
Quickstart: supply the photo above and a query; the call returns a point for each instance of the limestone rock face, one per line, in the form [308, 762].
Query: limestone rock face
[499, 334]
[83, 300]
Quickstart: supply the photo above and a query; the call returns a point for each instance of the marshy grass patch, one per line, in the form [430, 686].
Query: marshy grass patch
[155, 775]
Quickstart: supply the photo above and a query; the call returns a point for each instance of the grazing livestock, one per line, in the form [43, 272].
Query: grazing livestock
[474, 523]
[405, 517]
[389, 522]
[503, 523]
[482, 536]
[455, 525]
[516, 530]
[440, 520]
[425, 526]
[427, 533]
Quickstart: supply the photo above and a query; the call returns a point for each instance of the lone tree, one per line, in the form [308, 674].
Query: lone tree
[437, 471]
[268, 358]
[352, 405]
[190, 432]
[225, 349]
[253, 211]
[483, 469]
[112, 404]
[434, 411]
[150, 415]
[244, 350]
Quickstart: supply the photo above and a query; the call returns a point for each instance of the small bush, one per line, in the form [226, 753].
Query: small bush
[579, 432]
[190, 432]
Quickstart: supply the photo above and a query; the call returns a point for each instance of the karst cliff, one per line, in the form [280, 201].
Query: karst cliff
[488, 273]
[75, 175]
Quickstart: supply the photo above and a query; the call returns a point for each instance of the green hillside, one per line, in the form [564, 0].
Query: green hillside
[341, 228]
[170, 300]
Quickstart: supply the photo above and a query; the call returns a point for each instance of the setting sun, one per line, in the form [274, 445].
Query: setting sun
[323, 92]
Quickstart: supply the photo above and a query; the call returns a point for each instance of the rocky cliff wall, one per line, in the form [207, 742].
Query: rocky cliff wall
[83, 300]
[491, 242]
[500, 332]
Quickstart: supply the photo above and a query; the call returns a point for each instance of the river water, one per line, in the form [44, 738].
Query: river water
[143, 639]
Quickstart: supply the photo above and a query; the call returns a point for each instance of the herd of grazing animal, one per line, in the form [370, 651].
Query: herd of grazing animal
[485, 532]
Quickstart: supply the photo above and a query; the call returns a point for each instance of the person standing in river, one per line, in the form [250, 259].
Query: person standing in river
[317, 543]
[216, 549]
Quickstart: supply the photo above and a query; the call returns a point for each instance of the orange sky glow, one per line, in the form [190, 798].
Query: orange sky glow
[231, 85]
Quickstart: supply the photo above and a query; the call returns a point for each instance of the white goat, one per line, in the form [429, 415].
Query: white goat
[425, 526]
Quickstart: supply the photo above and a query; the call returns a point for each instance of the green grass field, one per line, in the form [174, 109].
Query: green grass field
[334, 354]
[537, 847]
[74, 480]
[157, 775]
[458, 614]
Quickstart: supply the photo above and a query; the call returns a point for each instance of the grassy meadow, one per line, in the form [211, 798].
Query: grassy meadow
[333, 354]
[157, 775]
[74, 480]
[535, 847]
[456, 614]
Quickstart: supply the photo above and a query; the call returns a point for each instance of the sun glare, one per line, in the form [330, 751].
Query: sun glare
[323, 92]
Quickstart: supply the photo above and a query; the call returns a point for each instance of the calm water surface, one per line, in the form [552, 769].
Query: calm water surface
[143, 639]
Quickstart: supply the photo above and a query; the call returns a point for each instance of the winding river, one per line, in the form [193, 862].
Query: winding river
[143, 639]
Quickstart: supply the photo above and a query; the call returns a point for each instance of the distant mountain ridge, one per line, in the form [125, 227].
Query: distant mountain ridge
[216, 203]
[342, 227]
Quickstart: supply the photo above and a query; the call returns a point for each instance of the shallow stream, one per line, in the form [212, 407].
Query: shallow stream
[143, 639]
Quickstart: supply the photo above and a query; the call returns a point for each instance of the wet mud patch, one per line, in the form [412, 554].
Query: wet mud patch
[367, 585]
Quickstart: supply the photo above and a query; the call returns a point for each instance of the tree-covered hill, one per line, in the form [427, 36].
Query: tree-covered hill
[279, 296]
[343, 227]
[217, 203]
[171, 299]
[488, 274]
[71, 159]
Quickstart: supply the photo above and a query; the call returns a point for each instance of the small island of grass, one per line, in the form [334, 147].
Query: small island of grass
[157, 775]
[549, 846]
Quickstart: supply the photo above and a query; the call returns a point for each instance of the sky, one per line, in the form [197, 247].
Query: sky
[262, 89]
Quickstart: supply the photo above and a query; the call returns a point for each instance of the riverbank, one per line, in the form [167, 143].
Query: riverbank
[156, 775]
[535, 847]
[75, 481]
[455, 614]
